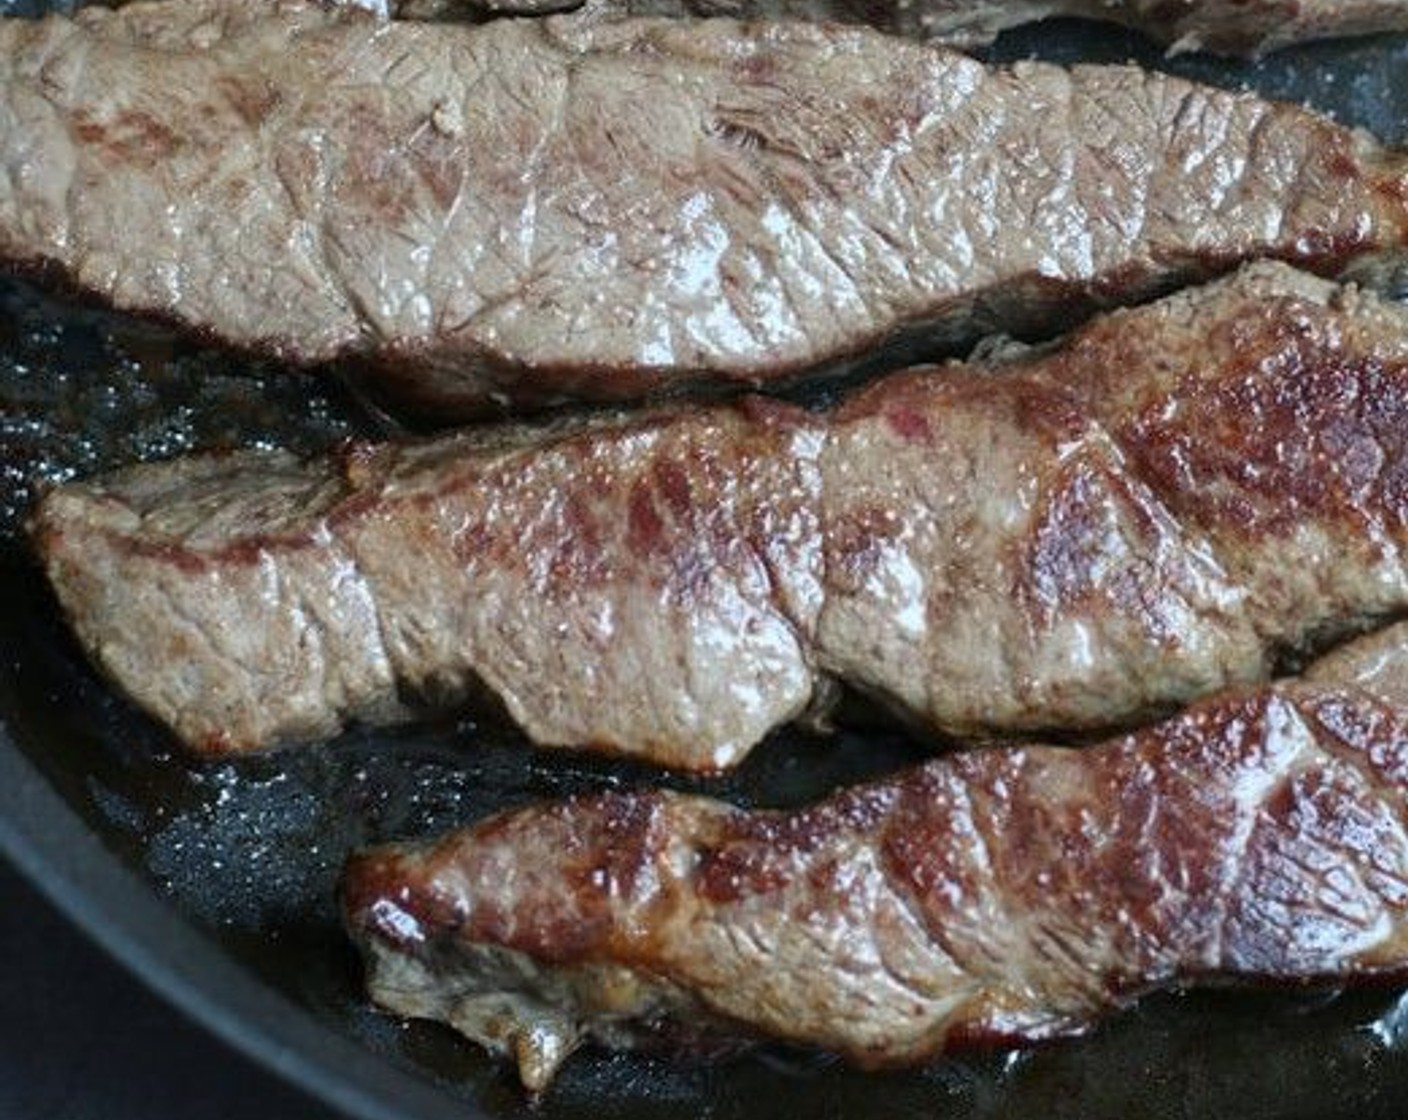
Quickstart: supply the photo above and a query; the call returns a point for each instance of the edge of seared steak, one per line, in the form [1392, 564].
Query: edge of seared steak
[1230, 27]
[540, 211]
[1227, 27]
[997, 895]
[1161, 506]
[1077, 540]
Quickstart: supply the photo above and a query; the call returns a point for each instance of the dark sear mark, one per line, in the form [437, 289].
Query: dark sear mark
[995, 896]
[1078, 538]
[1345, 1056]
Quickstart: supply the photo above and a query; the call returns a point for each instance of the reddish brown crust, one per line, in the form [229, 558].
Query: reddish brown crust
[763, 854]
[1313, 435]
[1144, 859]
[1171, 496]
[1060, 562]
[1299, 431]
[393, 911]
[128, 137]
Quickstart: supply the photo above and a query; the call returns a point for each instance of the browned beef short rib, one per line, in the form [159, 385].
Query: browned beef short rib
[1079, 539]
[1236, 27]
[532, 212]
[998, 895]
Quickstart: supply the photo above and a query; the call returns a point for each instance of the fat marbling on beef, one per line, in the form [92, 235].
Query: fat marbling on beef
[536, 211]
[997, 895]
[1164, 504]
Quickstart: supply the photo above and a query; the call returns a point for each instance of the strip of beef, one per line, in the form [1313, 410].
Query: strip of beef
[1079, 539]
[534, 211]
[998, 895]
[1234, 27]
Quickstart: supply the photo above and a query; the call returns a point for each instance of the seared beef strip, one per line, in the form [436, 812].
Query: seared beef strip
[1234, 27]
[531, 212]
[1166, 503]
[999, 895]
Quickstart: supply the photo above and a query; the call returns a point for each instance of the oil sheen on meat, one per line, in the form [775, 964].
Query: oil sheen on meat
[1080, 539]
[532, 212]
[1234, 27]
[993, 896]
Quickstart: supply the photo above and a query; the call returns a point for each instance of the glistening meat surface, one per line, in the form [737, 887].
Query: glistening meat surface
[1236, 27]
[1163, 505]
[536, 211]
[997, 895]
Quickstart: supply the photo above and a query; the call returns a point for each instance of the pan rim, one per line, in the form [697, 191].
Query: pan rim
[52, 848]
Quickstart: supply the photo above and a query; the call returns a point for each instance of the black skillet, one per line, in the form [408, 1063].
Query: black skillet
[214, 883]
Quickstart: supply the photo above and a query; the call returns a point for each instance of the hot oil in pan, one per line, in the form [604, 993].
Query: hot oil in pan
[251, 851]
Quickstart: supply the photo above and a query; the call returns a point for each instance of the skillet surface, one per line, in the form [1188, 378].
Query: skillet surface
[214, 883]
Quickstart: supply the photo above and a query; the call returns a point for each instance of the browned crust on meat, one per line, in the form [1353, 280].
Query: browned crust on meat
[994, 895]
[718, 204]
[1162, 506]
[1228, 27]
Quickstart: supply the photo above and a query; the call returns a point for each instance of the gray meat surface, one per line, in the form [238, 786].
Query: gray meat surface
[992, 896]
[1236, 27]
[1164, 504]
[535, 211]
[1233, 27]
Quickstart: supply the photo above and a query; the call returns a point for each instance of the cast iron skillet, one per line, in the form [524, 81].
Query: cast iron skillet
[214, 883]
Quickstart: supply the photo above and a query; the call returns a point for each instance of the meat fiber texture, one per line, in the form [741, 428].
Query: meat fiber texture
[532, 212]
[993, 896]
[1233, 27]
[1168, 503]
